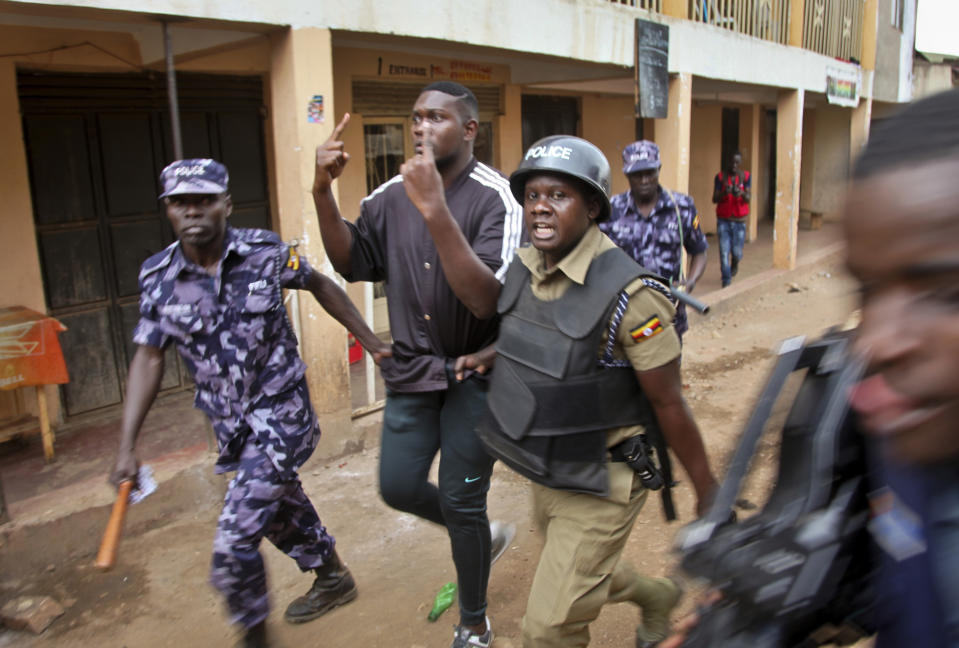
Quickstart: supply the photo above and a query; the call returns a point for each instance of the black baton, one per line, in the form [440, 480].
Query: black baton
[689, 300]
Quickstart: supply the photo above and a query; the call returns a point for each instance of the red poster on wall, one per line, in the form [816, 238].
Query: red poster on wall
[29, 349]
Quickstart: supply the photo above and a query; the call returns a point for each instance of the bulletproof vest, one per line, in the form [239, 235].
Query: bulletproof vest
[550, 400]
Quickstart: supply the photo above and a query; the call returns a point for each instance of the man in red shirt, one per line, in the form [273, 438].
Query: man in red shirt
[731, 195]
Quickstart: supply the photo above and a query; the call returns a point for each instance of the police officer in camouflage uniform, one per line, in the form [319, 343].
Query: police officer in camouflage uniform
[217, 295]
[653, 224]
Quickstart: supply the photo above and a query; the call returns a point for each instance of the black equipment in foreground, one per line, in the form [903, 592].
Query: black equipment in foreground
[796, 574]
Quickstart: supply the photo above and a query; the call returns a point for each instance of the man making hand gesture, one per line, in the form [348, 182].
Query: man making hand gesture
[440, 235]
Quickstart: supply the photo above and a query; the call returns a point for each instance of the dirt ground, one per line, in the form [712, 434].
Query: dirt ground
[158, 594]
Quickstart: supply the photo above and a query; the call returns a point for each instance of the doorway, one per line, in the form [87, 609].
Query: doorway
[95, 146]
[730, 136]
[545, 115]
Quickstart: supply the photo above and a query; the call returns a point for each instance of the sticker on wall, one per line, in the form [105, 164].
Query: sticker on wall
[314, 110]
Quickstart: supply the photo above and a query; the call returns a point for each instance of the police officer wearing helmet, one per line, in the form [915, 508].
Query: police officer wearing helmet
[585, 332]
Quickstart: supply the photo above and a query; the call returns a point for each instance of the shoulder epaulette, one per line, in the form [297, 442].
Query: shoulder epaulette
[252, 236]
[158, 261]
[658, 286]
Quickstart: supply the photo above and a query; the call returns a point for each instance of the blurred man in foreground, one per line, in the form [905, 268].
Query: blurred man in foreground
[902, 232]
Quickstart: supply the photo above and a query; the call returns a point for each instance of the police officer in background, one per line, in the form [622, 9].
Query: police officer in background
[216, 294]
[585, 332]
[654, 225]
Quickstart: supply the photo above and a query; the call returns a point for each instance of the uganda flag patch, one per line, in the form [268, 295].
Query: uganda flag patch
[650, 328]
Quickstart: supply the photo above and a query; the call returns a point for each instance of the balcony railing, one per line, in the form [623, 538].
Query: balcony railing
[834, 28]
[649, 5]
[767, 19]
[830, 27]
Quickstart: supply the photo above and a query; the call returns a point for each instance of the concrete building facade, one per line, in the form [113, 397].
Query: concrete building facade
[83, 123]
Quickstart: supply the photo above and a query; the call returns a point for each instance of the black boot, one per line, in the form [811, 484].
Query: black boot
[333, 586]
[255, 637]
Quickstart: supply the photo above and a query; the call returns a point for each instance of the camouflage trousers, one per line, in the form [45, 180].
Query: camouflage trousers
[260, 504]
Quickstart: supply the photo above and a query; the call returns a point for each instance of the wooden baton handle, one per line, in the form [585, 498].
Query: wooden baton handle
[111, 537]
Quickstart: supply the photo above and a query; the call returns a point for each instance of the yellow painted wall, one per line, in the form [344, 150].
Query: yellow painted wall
[832, 166]
[70, 50]
[673, 134]
[249, 57]
[609, 124]
[301, 67]
[825, 160]
[789, 124]
[807, 180]
[20, 280]
[706, 143]
[509, 148]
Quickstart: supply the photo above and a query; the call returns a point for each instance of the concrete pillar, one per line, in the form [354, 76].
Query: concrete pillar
[672, 134]
[797, 15]
[301, 67]
[509, 129]
[676, 8]
[807, 174]
[870, 28]
[789, 115]
[862, 114]
[755, 172]
[861, 117]
[18, 245]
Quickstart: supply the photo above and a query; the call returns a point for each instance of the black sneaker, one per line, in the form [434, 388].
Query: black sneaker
[334, 586]
[464, 638]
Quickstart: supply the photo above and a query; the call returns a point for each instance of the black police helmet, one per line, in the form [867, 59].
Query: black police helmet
[565, 155]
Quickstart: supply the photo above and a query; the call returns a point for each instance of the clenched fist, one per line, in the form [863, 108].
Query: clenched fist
[422, 180]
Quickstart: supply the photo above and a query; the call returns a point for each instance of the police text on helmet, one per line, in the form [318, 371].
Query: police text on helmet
[549, 151]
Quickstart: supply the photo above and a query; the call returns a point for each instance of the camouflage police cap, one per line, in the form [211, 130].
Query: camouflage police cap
[195, 176]
[640, 156]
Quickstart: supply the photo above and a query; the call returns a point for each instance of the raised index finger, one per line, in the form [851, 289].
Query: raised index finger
[335, 135]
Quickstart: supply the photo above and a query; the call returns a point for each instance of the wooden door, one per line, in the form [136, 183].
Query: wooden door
[95, 146]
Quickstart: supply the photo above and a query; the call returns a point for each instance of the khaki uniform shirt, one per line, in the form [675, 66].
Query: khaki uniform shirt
[643, 352]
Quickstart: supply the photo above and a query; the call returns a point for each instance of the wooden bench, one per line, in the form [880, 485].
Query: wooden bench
[810, 220]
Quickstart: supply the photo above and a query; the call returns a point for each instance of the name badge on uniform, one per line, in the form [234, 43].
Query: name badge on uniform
[650, 328]
[259, 284]
[895, 527]
[175, 310]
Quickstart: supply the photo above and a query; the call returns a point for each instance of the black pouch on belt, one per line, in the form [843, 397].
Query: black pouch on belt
[638, 455]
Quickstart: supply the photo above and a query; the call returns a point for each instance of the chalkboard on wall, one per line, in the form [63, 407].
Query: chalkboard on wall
[652, 75]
